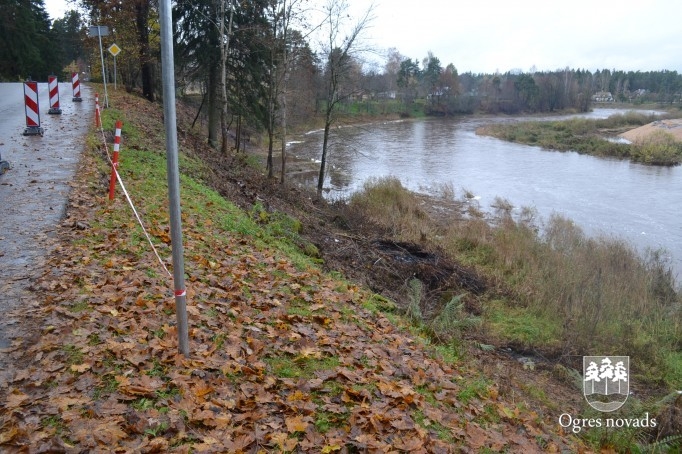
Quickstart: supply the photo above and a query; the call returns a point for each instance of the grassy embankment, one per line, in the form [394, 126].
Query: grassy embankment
[568, 295]
[571, 295]
[560, 294]
[254, 288]
[588, 136]
[284, 357]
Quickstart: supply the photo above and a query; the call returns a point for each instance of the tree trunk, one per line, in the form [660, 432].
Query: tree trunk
[146, 64]
[284, 138]
[325, 142]
[271, 130]
[213, 106]
[271, 144]
[224, 48]
[238, 133]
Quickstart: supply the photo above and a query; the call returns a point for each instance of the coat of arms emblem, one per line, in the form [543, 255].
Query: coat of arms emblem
[606, 381]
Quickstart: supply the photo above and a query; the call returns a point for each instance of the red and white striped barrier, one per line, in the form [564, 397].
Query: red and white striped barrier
[76, 84]
[98, 120]
[53, 89]
[114, 159]
[32, 109]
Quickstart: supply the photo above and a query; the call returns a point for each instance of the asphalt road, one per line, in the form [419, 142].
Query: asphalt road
[34, 191]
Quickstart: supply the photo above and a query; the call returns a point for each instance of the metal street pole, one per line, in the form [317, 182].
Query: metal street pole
[104, 73]
[168, 80]
[100, 30]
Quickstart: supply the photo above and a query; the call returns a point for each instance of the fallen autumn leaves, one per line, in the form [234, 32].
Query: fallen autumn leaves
[284, 357]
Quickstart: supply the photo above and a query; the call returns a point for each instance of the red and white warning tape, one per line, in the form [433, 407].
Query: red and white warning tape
[130, 202]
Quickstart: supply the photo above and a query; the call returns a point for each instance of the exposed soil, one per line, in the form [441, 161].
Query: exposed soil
[672, 127]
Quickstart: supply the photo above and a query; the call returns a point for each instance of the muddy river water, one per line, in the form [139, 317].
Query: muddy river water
[634, 202]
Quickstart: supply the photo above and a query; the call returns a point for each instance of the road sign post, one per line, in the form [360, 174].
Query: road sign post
[99, 31]
[114, 50]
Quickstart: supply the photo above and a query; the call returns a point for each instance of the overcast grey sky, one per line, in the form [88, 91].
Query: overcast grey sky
[502, 35]
[491, 35]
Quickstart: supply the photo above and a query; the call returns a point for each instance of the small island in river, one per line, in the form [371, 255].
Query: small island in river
[639, 137]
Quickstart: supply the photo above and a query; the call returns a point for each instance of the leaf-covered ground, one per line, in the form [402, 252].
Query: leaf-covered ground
[284, 357]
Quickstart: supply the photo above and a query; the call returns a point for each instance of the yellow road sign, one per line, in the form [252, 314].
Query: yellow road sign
[114, 49]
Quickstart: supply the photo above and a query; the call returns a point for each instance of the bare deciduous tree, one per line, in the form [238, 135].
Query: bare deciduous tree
[342, 43]
[224, 49]
[281, 13]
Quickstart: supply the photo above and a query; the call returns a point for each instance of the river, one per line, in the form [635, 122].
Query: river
[608, 197]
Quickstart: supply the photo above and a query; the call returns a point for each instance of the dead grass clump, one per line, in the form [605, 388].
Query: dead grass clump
[386, 202]
[607, 298]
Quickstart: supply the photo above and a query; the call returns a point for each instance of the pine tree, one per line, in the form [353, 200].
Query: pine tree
[26, 41]
[620, 374]
[592, 374]
[606, 372]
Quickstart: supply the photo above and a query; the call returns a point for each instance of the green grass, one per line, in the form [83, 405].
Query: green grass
[523, 327]
[473, 390]
[300, 367]
[80, 306]
[273, 230]
[73, 355]
[300, 311]
[129, 133]
[324, 420]
[673, 366]
[377, 303]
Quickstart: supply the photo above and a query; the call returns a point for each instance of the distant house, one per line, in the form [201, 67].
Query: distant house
[362, 95]
[602, 96]
[387, 95]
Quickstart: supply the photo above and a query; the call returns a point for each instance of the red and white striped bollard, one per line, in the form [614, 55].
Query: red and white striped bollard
[76, 84]
[53, 89]
[114, 159]
[32, 109]
[98, 121]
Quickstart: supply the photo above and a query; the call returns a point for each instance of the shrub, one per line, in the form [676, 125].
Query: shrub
[659, 148]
